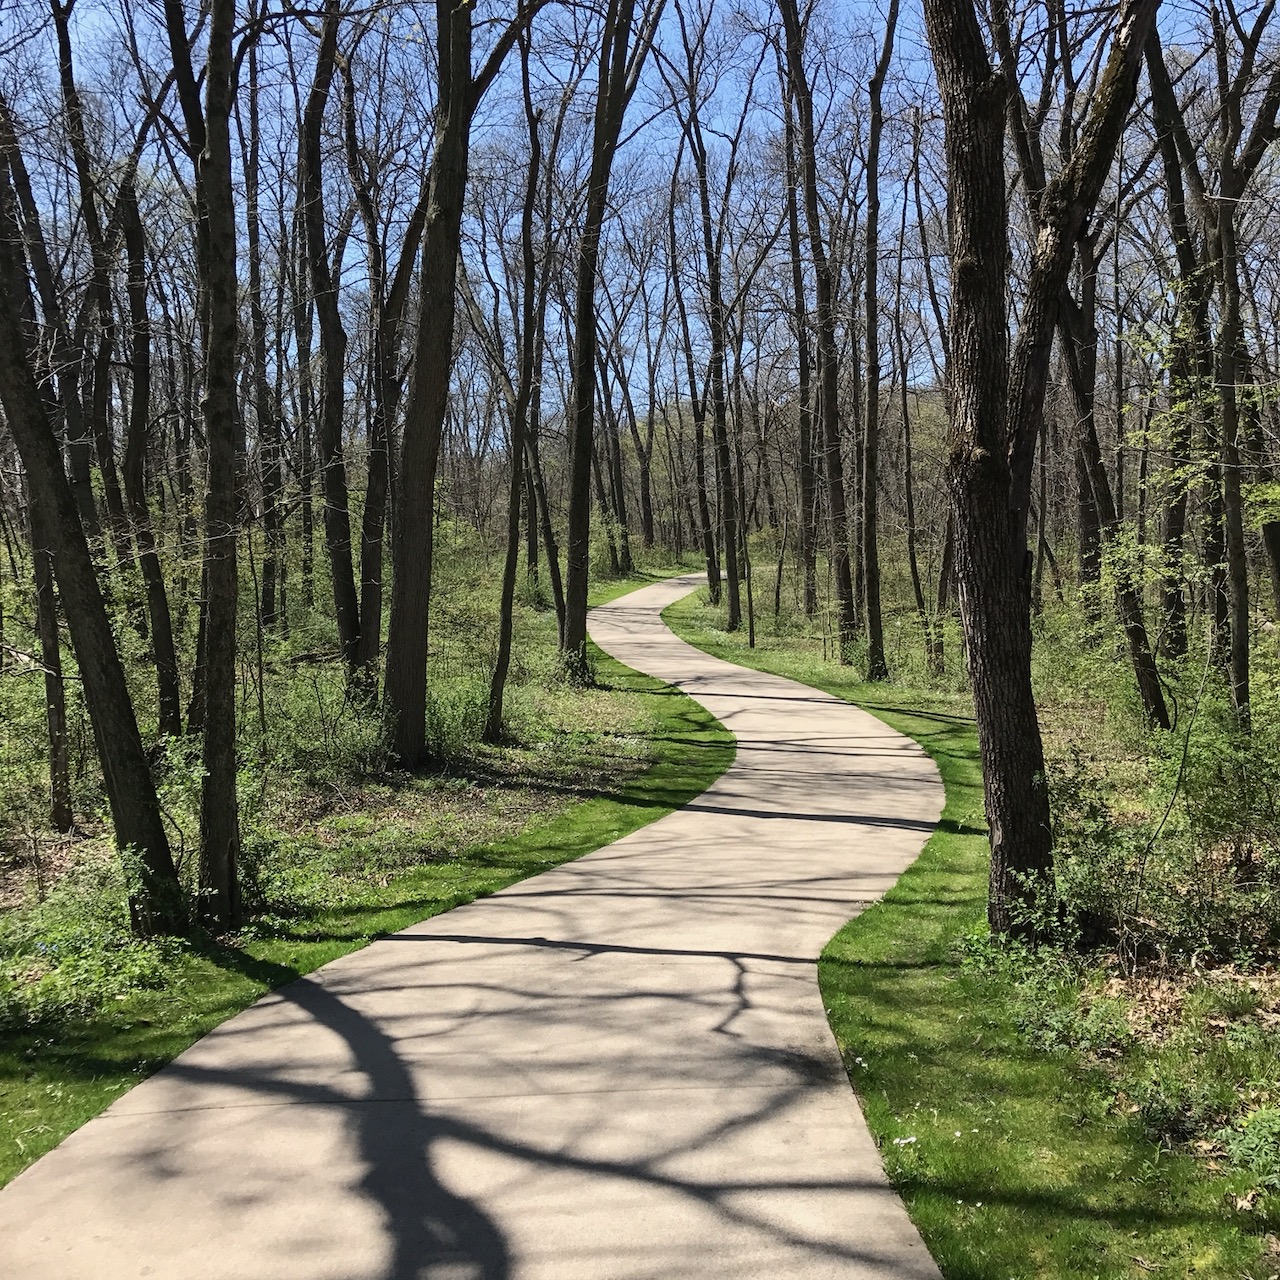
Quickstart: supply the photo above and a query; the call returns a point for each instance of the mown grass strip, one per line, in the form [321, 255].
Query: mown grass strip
[53, 1080]
[1013, 1162]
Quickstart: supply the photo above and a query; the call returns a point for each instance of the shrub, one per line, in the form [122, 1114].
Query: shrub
[73, 953]
[1253, 1145]
[1199, 881]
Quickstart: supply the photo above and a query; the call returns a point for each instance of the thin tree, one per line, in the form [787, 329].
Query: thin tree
[877, 667]
[828, 352]
[155, 901]
[619, 75]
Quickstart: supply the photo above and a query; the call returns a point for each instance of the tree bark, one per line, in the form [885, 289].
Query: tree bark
[413, 529]
[155, 901]
[612, 95]
[55, 700]
[806, 479]
[877, 667]
[828, 358]
[698, 407]
[333, 346]
[990, 564]
[161, 629]
[219, 808]
[519, 414]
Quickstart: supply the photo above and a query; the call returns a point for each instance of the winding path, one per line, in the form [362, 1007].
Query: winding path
[617, 1070]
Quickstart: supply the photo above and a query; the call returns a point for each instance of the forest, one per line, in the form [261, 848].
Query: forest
[349, 352]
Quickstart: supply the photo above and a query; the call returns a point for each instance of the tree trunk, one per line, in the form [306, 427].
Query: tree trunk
[55, 700]
[877, 667]
[413, 529]
[698, 407]
[161, 629]
[67, 357]
[1080, 341]
[219, 809]
[519, 415]
[612, 95]
[991, 565]
[333, 346]
[828, 371]
[155, 901]
[265, 410]
[1230, 333]
[807, 480]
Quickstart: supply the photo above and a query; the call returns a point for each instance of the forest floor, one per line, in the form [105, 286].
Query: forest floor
[622, 1064]
[1041, 1118]
[342, 857]
[1018, 1101]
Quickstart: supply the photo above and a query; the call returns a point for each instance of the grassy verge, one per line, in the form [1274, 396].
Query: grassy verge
[55, 1077]
[1013, 1161]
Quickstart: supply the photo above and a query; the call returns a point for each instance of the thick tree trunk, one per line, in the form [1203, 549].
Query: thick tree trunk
[67, 357]
[990, 562]
[219, 809]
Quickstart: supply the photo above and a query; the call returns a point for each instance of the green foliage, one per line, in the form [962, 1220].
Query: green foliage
[1177, 1103]
[1001, 1083]
[1261, 502]
[70, 954]
[1253, 1145]
[1192, 875]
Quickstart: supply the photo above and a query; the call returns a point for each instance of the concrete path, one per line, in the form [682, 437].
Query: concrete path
[617, 1070]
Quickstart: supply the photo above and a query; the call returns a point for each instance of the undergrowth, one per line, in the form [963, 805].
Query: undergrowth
[1107, 1105]
[337, 849]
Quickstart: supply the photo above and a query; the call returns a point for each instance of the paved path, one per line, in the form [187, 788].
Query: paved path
[617, 1070]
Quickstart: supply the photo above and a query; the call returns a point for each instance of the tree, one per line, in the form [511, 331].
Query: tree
[155, 902]
[877, 667]
[828, 355]
[460, 91]
[618, 77]
[996, 405]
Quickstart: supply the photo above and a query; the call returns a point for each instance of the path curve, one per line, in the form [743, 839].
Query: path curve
[617, 1070]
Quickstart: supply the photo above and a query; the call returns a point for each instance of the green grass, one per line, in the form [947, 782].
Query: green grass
[53, 1080]
[1013, 1162]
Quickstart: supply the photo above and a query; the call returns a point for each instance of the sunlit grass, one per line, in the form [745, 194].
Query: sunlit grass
[1013, 1162]
[52, 1079]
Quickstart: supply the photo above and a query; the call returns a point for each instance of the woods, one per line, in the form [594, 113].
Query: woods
[944, 338]
[728, 348]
